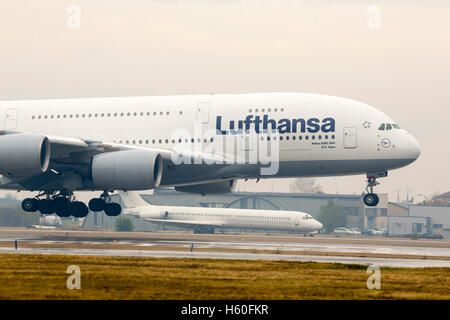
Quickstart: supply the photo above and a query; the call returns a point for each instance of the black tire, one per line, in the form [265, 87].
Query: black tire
[46, 206]
[61, 206]
[78, 209]
[371, 199]
[97, 204]
[113, 209]
[30, 205]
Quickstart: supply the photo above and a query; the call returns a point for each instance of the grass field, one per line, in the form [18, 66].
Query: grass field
[44, 277]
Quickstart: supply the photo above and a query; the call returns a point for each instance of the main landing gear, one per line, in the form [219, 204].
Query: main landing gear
[104, 203]
[371, 199]
[65, 205]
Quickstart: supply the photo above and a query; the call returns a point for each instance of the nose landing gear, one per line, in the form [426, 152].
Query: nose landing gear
[371, 199]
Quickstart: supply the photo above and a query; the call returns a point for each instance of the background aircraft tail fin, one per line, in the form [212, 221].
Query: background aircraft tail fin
[132, 199]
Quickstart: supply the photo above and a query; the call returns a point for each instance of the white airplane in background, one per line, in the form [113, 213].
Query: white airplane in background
[205, 219]
[58, 147]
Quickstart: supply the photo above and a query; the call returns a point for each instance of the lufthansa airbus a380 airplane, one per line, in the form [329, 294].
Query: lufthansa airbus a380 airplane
[196, 143]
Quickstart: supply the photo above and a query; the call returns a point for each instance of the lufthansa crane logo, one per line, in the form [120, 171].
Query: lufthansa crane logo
[386, 143]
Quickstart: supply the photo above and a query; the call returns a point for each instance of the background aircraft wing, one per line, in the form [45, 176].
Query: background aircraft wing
[185, 223]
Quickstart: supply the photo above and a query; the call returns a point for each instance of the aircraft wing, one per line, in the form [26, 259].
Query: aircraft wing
[71, 156]
[185, 223]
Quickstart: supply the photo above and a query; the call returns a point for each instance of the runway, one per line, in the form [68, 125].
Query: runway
[384, 252]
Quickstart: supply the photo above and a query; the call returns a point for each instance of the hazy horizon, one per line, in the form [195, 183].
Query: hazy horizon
[394, 55]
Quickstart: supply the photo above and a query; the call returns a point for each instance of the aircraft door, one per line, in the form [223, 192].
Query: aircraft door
[350, 138]
[203, 112]
[11, 117]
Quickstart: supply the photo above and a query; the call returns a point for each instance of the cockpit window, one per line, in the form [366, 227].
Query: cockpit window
[388, 126]
[396, 126]
[381, 127]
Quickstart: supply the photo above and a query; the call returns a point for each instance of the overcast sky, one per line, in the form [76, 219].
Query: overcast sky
[137, 47]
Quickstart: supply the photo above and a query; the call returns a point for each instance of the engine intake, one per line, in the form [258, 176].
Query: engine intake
[24, 154]
[127, 170]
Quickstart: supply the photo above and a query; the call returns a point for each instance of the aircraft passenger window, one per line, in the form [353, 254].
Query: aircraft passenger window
[293, 137]
[160, 141]
[45, 117]
[39, 117]
[268, 110]
[306, 137]
[140, 141]
[167, 141]
[51, 117]
[121, 114]
[262, 110]
[388, 126]
[332, 137]
[313, 137]
[382, 126]
[281, 137]
[69, 116]
[154, 113]
[128, 114]
[142, 114]
[287, 137]
[275, 110]
[148, 113]
[181, 112]
[115, 114]
[319, 137]
[173, 141]
[256, 110]
[64, 116]
[160, 113]
[282, 109]
[32, 117]
[326, 136]
[212, 139]
[168, 112]
[135, 114]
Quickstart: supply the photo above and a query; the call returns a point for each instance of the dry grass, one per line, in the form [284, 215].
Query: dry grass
[44, 277]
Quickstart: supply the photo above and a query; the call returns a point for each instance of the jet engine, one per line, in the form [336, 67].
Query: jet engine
[24, 154]
[226, 186]
[127, 170]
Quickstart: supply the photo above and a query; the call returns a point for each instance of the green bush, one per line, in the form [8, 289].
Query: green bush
[124, 224]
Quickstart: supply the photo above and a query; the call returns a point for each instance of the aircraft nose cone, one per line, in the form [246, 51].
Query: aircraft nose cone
[414, 148]
[319, 225]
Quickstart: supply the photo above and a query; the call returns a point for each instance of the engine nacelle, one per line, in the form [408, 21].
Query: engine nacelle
[127, 170]
[226, 186]
[24, 154]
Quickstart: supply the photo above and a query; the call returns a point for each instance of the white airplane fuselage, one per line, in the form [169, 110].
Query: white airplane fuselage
[317, 135]
[228, 218]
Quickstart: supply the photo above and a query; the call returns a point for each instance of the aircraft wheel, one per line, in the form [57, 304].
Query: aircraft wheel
[30, 205]
[61, 205]
[97, 204]
[113, 209]
[78, 209]
[46, 206]
[371, 199]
